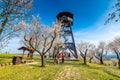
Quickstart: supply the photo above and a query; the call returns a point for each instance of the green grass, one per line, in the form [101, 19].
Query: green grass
[8, 55]
[97, 72]
[4, 58]
[52, 71]
[31, 72]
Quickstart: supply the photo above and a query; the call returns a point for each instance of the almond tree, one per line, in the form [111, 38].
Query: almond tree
[91, 54]
[40, 37]
[57, 47]
[83, 48]
[101, 51]
[114, 46]
[12, 12]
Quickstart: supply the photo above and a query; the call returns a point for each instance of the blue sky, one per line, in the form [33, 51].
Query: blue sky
[89, 18]
[86, 12]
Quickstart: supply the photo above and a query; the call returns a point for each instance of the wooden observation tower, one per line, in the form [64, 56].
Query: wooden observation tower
[65, 21]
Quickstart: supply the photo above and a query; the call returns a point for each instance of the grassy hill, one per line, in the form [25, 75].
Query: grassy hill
[70, 70]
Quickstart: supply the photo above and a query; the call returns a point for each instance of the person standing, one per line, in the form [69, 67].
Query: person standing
[63, 56]
[68, 55]
[58, 57]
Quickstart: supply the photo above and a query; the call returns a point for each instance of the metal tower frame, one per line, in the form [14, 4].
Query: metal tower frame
[65, 21]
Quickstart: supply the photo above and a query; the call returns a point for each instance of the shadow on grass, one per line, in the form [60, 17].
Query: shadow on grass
[112, 74]
[37, 66]
[74, 63]
[88, 66]
[69, 63]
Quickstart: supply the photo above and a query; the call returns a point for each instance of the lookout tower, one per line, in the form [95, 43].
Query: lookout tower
[65, 21]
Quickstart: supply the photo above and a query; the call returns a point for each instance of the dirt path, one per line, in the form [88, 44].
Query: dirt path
[33, 63]
[69, 73]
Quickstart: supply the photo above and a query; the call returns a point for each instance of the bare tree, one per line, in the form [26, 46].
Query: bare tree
[12, 12]
[101, 51]
[57, 48]
[83, 48]
[115, 47]
[39, 37]
[91, 54]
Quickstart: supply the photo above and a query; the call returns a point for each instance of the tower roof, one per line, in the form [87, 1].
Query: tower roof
[68, 14]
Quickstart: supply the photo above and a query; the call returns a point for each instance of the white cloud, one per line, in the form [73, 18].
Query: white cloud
[100, 32]
[80, 33]
[114, 29]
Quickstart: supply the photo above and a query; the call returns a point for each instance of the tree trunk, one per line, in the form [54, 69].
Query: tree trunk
[23, 53]
[117, 54]
[101, 60]
[85, 56]
[119, 63]
[84, 60]
[90, 60]
[55, 58]
[31, 55]
[43, 61]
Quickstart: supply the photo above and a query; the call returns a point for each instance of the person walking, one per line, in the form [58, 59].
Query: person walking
[63, 58]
